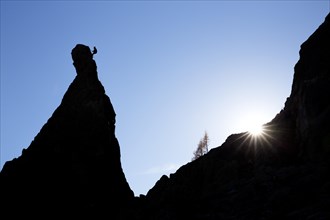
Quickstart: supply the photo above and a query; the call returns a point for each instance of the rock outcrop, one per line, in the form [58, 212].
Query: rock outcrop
[308, 106]
[284, 174]
[73, 165]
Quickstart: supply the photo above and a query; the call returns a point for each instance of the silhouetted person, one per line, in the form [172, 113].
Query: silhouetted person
[94, 51]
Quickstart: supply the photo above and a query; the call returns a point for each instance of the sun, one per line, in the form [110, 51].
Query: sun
[255, 129]
[253, 123]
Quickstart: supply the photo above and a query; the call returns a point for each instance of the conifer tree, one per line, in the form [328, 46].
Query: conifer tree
[202, 147]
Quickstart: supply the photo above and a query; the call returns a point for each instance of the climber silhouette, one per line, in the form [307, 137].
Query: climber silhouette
[94, 51]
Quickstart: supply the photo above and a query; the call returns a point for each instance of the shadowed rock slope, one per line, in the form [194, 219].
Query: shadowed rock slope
[73, 164]
[283, 174]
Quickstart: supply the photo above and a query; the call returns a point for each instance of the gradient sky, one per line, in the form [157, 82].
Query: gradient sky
[172, 69]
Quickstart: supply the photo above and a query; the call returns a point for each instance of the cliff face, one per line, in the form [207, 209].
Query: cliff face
[283, 174]
[308, 105]
[73, 164]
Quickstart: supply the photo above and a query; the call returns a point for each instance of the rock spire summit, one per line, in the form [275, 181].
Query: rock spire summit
[73, 164]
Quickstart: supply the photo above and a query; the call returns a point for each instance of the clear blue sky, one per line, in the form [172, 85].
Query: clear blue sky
[172, 69]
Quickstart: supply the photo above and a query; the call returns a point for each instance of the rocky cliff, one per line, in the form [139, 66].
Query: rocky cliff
[282, 174]
[73, 164]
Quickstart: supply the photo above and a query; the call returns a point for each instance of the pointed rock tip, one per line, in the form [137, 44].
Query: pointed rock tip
[83, 60]
[81, 53]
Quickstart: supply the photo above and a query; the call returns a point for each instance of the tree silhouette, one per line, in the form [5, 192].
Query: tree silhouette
[202, 147]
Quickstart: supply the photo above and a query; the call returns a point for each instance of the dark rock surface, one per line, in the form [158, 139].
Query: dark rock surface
[73, 164]
[285, 174]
